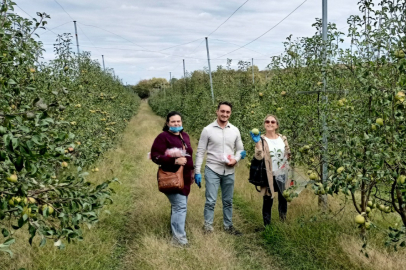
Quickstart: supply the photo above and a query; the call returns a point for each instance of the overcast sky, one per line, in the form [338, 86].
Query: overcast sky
[129, 33]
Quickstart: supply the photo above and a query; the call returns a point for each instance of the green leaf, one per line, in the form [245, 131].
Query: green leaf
[19, 163]
[5, 232]
[43, 242]
[36, 139]
[24, 128]
[11, 82]
[6, 248]
[7, 139]
[32, 231]
[3, 155]
[15, 142]
[21, 222]
[9, 241]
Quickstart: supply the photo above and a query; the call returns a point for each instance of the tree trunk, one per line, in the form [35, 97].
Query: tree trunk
[323, 202]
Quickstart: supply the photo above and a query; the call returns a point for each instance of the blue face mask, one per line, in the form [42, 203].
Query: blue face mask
[175, 129]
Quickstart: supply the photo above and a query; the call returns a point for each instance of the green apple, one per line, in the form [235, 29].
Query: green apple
[255, 131]
[400, 96]
[313, 176]
[359, 219]
[379, 121]
[367, 225]
[340, 170]
[401, 179]
[50, 209]
[12, 178]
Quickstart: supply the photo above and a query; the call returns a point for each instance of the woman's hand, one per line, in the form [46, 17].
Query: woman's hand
[181, 161]
[255, 138]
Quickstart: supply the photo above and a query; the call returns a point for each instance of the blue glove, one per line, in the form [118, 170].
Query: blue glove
[198, 179]
[255, 138]
[243, 154]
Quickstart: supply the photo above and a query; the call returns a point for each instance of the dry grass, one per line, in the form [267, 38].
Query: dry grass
[378, 258]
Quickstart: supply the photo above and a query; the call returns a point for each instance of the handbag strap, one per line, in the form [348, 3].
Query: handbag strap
[183, 142]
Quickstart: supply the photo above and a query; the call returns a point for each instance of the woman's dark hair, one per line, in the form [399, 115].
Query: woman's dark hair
[170, 114]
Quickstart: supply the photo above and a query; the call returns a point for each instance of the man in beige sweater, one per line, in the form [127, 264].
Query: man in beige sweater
[222, 142]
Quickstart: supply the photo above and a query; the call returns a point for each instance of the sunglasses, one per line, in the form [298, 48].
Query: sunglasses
[270, 121]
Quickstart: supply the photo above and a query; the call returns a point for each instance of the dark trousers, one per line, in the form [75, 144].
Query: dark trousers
[268, 202]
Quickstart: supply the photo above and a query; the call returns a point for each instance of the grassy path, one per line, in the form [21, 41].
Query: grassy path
[148, 246]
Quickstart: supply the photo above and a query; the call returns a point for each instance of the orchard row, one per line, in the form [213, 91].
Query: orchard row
[56, 120]
[361, 101]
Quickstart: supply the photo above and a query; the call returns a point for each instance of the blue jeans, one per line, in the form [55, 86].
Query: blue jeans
[178, 217]
[213, 182]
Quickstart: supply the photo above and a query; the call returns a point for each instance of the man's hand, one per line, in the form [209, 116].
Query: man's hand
[198, 180]
[243, 154]
[232, 163]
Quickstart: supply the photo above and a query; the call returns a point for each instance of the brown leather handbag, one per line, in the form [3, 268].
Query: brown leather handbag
[169, 182]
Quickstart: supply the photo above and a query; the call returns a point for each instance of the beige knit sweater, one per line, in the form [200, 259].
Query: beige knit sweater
[264, 153]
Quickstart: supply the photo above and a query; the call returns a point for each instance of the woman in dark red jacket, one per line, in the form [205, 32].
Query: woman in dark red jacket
[174, 137]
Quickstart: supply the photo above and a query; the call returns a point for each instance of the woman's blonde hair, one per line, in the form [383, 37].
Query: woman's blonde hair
[276, 118]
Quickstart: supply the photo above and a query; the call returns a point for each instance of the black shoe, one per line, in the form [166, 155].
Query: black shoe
[233, 231]
[282, 217]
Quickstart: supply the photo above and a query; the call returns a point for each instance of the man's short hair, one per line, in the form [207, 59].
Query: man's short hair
[225, 103]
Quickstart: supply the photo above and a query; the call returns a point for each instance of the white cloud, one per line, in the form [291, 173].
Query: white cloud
[127, 7]
[140, 28]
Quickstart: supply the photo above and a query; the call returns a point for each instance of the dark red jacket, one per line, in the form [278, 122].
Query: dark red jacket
[167, 140]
